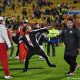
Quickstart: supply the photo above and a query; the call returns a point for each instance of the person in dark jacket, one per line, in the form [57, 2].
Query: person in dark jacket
[33, 47]
[42, 38]
[71, 36]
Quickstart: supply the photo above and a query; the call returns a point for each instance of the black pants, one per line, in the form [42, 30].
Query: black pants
[38, 52]
[71, 60]
[53, 49]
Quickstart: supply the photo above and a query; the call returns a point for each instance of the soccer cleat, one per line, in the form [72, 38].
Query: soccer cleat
[8, 77]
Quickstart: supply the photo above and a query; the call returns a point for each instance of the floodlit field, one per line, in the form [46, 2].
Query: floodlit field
[39, 70]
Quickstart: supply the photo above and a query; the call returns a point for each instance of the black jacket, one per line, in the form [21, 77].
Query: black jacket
[71, 39]
[33, 40]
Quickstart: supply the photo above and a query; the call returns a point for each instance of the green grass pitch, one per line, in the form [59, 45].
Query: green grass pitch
[39, 70]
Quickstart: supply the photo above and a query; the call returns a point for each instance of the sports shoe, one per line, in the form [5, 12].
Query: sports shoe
[17, 57]
[69, 73]
[8, 77]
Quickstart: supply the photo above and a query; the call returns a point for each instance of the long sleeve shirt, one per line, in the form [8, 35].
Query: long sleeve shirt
[4, 36]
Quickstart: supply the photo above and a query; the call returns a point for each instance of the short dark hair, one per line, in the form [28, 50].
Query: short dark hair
[70, 19]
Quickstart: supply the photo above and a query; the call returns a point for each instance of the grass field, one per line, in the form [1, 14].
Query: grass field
[39, 70]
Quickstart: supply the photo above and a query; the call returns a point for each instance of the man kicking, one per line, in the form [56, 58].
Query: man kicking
[33, 47]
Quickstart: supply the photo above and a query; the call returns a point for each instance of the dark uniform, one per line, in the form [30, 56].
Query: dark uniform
[35, 49]
[72, 43]
[41, 37]
[52, 43]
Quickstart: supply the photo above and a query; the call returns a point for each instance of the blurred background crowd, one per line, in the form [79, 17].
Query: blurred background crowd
[42, 12]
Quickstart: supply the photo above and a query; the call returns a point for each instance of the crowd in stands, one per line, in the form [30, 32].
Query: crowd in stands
[40, 10]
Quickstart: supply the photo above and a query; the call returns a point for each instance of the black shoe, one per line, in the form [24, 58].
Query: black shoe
[52, 65]
[24, 70]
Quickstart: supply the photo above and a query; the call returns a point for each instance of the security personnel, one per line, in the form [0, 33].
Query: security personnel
[71, 36]
[52, 40]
